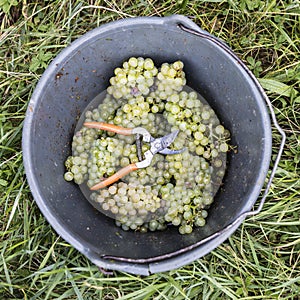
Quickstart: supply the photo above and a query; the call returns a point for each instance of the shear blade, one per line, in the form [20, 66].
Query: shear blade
[168, 151]
[168, 139]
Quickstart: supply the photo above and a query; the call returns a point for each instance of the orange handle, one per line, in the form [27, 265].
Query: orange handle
[112, 179]
[109, 127]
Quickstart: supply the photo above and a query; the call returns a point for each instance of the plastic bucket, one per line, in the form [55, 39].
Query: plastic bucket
[79, 73]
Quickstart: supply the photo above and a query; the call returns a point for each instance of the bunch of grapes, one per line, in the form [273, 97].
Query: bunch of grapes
[175, 189]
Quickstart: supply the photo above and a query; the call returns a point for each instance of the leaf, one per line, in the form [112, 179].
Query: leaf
[297, 100]
[183, 4]
[34, 65]
[46, 56]
[239, 291]
[5, 7]
[277, 87]
[3, 182]
[250, 60]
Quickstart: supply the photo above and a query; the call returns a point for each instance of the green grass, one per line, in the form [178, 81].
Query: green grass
[260, 261]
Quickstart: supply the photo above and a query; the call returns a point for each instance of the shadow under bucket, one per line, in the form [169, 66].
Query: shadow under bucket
[79, 73]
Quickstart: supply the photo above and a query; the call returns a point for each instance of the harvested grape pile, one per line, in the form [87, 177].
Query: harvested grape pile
[175, 189]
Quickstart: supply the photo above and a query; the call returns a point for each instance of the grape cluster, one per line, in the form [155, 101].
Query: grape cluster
[175, 189]
[134, 79]
[133, 204]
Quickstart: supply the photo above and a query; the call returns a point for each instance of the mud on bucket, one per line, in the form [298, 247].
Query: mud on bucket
[79, 73]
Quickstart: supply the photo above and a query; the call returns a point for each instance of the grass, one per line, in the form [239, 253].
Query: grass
[260, 261]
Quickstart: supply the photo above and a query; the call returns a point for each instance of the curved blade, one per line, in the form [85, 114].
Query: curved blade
[161, 144]
[168, 151]
[168, 139]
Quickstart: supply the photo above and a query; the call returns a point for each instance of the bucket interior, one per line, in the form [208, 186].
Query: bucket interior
[81, 72]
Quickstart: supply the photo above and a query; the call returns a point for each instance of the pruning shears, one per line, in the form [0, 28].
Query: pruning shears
[157, 145]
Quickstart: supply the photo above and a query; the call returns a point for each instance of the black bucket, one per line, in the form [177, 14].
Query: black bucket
[79, 73]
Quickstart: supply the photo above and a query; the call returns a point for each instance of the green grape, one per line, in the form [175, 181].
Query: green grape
[200, 221]
[223, 147]
[188, 229]
[69, 176]
[132, 62]
[220, 129]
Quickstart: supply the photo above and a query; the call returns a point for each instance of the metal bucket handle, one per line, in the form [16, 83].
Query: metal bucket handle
[190, 27]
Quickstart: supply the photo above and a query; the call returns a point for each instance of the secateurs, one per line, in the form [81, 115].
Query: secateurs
[157, 145]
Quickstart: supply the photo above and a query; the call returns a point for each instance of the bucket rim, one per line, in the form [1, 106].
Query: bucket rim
[136, 267]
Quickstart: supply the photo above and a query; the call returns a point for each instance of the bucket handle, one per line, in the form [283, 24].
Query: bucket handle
[203, 34]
